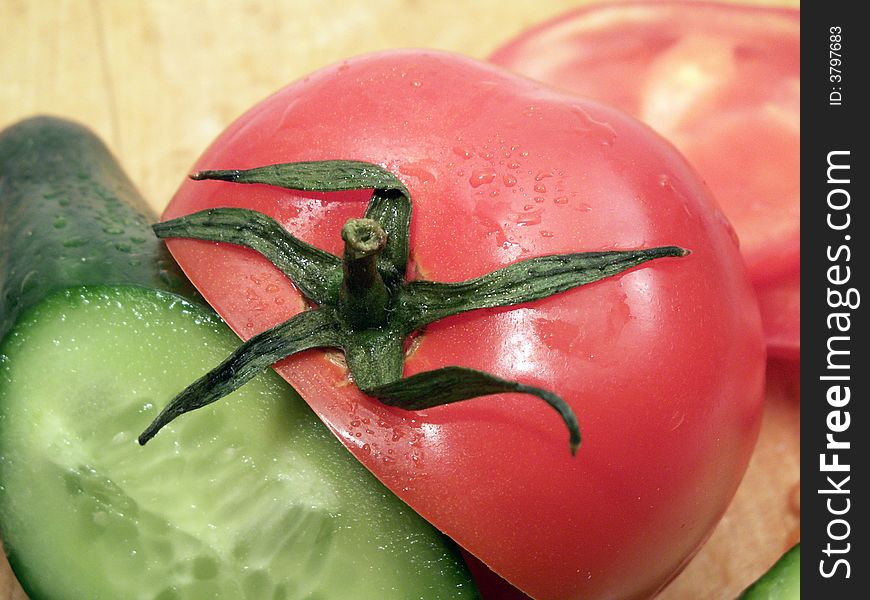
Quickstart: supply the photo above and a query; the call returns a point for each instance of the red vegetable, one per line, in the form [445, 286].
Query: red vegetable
[780, 303]
[663, 365]
[722, 83]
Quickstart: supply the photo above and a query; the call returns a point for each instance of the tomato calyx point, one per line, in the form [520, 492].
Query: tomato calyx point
[365, 307]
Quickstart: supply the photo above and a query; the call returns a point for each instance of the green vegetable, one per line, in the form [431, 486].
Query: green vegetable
[781, 582]
[70, 216]
[254, 501]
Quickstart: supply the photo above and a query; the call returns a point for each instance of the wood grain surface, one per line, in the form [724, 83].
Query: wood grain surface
[159, 79]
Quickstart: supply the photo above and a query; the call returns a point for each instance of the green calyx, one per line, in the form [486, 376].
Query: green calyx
[365, 307]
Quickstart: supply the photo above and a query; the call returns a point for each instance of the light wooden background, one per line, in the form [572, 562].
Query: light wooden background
[157, 80]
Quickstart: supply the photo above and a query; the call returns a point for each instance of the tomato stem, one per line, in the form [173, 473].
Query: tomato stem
[364, 298]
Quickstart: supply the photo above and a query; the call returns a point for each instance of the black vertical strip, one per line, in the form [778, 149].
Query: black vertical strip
[834, 336]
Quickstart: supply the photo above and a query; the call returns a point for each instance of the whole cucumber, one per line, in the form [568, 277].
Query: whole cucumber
[69, 216]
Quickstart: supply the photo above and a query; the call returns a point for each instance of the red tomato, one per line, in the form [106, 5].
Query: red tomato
[720, 81]
[490, 585]
[663, 365]
[781, 314]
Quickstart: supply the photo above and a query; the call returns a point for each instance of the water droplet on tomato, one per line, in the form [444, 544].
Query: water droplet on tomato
[561, 200]
[529, 218]
[509, 180]
[481, 177]
[540, 188]
[463, 152]
[589, 126]
[422, 170]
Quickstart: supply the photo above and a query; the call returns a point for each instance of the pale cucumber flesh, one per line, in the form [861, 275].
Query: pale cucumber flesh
[249, 498]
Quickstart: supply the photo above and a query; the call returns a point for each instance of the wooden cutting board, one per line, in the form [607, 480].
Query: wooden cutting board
[159, 79]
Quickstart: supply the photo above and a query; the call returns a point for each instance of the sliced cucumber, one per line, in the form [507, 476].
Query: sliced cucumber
[252, 499]
[781, 582]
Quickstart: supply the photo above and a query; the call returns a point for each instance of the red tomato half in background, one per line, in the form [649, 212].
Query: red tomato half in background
[722, 83]
[664, 365]
[780, 303]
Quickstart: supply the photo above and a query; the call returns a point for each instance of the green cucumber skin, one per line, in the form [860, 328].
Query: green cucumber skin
[781, 582]
[70, 216]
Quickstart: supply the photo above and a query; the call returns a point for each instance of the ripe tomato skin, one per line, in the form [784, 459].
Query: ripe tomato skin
[722, 83]
[664, 365]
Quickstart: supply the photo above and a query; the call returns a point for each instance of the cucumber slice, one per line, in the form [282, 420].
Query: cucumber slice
[252, 499]
[781, 582]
